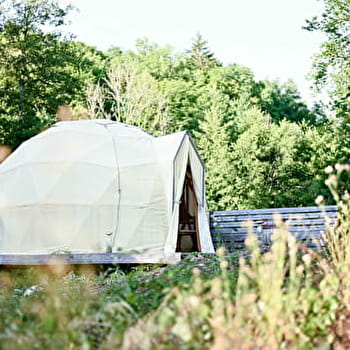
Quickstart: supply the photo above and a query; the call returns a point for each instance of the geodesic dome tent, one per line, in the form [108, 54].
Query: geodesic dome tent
[97, 186]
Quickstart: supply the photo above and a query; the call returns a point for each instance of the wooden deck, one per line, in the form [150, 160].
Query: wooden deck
[88, 258]
[307, 224]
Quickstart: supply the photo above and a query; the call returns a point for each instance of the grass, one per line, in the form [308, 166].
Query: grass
[85, 309]
[287, 298]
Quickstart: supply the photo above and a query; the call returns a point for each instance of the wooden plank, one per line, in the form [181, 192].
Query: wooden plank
[308, 222]
[89, 258]
[267, 219]
[274, 217]
[227, 228]
[230, 238]
[310, 229]
[262, 217]
[186, 231]
[238, 224]
[237, 246]
[231, 246]
[294, 223]
[242, 237]
[330, 208]
[219, 230]
[308, 235]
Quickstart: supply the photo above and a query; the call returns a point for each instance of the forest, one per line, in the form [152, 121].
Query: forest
[262, 145]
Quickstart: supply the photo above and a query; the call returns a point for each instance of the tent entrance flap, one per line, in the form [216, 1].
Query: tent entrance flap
[188, 235]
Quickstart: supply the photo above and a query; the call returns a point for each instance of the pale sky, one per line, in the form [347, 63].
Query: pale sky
[263, 35]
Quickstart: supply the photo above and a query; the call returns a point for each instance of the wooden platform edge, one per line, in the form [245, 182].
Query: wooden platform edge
[89, 258]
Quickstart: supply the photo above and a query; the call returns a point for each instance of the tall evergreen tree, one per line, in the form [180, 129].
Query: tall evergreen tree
[213, 143]
[200, 56]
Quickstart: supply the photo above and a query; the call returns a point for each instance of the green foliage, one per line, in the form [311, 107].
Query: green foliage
[266, 171]
[319, 148]
[331, 67]
[160, 62]
[132, 96]
[14, 129]
[289, 297]
[200, 56]
[22, 37]
[39, 68]
[248, 166]
[84, 309]
[214, 146]
[182, 101]
[234, 81]
[282, 101]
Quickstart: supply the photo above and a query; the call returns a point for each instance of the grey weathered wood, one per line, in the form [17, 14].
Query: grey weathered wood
[239, 231]
[285, 217]
[88, 258]
[230, 238]
[330, 208]
[219, 230]
[241, 237]
[290, 224]
[308, 224]
[270, 216]
[232, 246]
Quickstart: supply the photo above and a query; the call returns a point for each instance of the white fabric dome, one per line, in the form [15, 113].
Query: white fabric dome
[84, 186]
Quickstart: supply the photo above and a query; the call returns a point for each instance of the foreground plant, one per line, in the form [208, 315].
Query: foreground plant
[288, 298]
[338, 250]
[276, 305]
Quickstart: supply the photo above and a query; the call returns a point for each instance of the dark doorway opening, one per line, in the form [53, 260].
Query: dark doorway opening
[188, 235]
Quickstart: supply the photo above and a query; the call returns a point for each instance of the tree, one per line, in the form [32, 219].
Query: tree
[40, 69]
[158, 61]
[331, 75]
[266, 171]
[320, 148]
[25, 47]
[131, 96]
[235, 81]
[213, 143]
[184, 106]
[331, 66]
[283, 101]
[199, 56]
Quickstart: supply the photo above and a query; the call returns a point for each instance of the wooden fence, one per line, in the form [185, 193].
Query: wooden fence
[307, 224]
